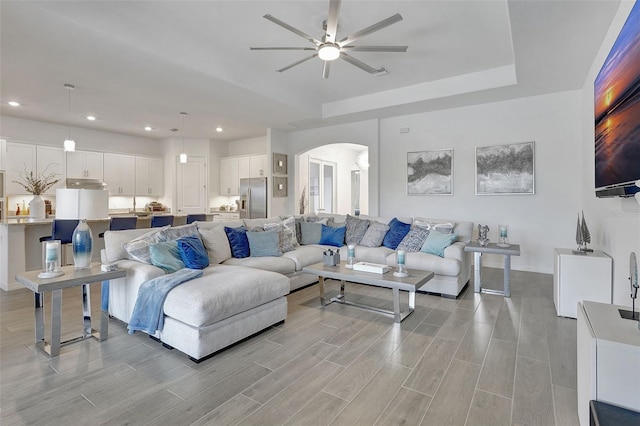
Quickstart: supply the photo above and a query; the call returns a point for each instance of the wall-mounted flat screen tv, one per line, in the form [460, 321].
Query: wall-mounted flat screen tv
[617, 114]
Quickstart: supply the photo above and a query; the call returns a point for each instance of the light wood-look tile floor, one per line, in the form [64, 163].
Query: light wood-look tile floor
[478, 360]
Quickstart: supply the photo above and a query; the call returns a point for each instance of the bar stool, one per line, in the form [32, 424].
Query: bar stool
[193, 217]
[122, 223]
[159, 221]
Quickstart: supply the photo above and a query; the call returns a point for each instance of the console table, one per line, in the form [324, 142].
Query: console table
[71, 278]
[608, 358]
[491, 248]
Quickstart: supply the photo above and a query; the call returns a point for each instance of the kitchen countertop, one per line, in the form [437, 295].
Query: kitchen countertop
[14, 220]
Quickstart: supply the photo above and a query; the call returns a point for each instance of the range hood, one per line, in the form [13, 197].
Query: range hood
[85, 184]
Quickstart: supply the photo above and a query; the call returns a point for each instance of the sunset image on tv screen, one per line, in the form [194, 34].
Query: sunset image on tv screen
[617, 109]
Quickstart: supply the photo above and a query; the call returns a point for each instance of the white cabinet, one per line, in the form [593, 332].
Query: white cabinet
[149, 176]
[258, 165]
[578, 277]
[84, 165]
[51, 159]
[21, 158]
[229, 176]
[3, 154]
[608, 361]
[244, 167]
[120, 174]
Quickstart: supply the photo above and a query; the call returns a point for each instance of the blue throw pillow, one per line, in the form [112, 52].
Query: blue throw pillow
[264, 243]
[332, 236]
[436, 242]
[166, 255]
[238, 241]
[193, 253]
[395, 234]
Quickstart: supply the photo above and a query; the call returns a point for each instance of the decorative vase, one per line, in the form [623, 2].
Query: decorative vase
[82, 243]
[37, 207]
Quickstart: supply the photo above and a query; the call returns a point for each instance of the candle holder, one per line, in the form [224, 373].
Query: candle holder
[51, 259]
[400, 261]
[503, 240]
[351, 256]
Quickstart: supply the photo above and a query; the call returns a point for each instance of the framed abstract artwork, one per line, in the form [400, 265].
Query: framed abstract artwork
[505, 169]
[279, 186]
[430, 172]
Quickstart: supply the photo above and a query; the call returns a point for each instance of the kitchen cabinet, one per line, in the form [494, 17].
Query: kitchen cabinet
[149, 176]
[229, 176]
[84, 165]
[120, 174]
[21, 158]
[258, 165]
[244, 167]
[608, 358]
[51, 159]
[3, 154]
[578, 277]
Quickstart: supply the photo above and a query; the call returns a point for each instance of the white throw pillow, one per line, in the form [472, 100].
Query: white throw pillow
[217, 244]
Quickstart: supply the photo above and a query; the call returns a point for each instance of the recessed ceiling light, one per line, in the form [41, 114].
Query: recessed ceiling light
[218, 129]
[148, 128]
[14, 103]
[91, 118]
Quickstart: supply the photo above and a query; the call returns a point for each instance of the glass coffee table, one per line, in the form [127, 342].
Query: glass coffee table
[415, 280]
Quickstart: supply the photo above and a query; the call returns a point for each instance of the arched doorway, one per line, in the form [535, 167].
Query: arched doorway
[333, 178]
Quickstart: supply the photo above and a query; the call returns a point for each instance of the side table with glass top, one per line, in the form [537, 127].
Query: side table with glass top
[71, 278]
[507, 251]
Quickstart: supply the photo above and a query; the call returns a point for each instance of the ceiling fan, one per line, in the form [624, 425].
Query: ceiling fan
[328, 49]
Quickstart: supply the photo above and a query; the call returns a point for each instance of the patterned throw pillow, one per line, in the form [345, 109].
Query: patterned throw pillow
[333, 224]
[173, 233]
[414, 240]
[356, 228]
[432, 225]
[138, 248]
[374, 235]
[285, 236]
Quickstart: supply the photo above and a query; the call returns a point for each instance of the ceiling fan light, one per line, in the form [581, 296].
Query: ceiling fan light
[329, 52]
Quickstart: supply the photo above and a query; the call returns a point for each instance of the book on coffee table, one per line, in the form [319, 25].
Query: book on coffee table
[377, 268]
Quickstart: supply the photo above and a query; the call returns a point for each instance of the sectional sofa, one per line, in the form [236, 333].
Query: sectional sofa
[238, 297]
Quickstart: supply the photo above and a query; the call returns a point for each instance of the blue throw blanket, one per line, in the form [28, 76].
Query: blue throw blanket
[148, 313]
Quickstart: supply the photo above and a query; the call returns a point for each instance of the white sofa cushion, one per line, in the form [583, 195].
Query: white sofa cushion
[428, 262]
[278, 264]
[373, 254]
[305, 255]
[221, 292]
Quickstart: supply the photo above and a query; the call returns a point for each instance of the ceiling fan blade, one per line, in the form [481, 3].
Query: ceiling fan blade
[297, 63]
[282, 48]
[292, 29]
[358, 63]
[332, 21]
[398, 49]
[370, 29]
[325, 69]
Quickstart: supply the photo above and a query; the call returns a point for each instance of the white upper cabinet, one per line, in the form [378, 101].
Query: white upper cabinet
[120, 174]
[21, 158]
[149, 176]
[3, 154]
[244, 167]
[229, 180]
[51, 159]
[258, 166]
[84, 165]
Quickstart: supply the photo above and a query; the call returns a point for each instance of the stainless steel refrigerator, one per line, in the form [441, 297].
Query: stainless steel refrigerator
[253, 198]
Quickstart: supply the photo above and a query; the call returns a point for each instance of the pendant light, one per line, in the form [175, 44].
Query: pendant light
[69, 144]
[183, 154]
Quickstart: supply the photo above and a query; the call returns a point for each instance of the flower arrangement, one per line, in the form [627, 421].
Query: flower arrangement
[37, 184]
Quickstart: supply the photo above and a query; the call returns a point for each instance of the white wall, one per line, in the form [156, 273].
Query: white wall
[41, 133]
[537, 222]
[277, 141]
[614, 223]
[248, 146]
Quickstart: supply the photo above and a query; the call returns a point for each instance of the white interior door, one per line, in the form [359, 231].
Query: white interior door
[192, 185]
[322, 186]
